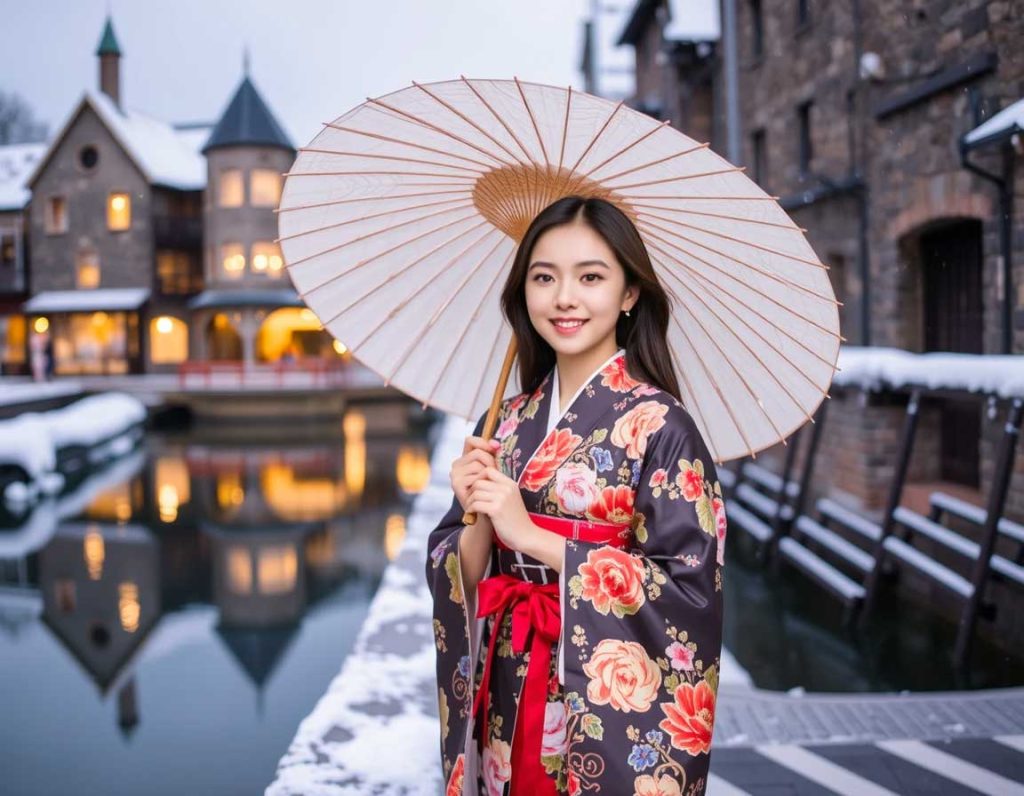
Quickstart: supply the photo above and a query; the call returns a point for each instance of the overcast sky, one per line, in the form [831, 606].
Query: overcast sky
[311, 59]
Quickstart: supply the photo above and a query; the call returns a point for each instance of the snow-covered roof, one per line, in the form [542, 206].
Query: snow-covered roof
[873, 368]
[1008, 121]
[17, 161]
[165, 155]
[692, 20]
[110, 299]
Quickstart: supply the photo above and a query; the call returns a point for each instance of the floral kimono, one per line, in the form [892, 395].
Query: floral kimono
[601, 679]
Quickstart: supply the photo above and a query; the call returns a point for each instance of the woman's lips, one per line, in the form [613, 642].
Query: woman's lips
[568, 328]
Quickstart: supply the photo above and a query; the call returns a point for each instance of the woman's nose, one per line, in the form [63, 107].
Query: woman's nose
[565, 296]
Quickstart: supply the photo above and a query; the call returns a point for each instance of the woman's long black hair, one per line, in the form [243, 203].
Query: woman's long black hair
[643, 334]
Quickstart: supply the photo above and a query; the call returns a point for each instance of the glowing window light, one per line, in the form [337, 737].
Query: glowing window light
[164, 325]
[167, 501]
[94, 551]
[339, 347]
[128, 606]
[239, 570]
[230, 492]
[412, 469]
[354, 426]
[41, 325]
[119, 211]
[277, 569]
[394, 535]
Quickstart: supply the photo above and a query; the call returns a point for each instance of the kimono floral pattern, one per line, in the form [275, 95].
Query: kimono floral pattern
[633, 710]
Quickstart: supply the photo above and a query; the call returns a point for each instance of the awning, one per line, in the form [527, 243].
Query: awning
[112, 299]
[1004, 124]
[254, 297]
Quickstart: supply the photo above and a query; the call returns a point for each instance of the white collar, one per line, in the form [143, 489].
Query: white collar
[554, 416]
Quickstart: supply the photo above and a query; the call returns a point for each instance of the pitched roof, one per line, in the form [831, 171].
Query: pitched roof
[164, 154]
[248, 122]
[108, 41]
[16, 164]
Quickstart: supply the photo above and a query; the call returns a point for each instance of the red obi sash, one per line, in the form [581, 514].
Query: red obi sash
[536, 618]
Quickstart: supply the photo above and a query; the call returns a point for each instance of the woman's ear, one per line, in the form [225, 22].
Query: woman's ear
[632, 296]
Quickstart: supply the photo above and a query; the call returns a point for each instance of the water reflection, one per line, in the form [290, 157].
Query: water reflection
[201, 545]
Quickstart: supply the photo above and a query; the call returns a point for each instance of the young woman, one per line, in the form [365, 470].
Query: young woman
[578, 623]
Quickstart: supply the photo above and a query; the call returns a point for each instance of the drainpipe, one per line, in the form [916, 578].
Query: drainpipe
[858, 151]
[1005, 186]
[734, 151]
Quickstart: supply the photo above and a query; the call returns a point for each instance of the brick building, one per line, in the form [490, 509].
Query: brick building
[853, 114]
[151, 244]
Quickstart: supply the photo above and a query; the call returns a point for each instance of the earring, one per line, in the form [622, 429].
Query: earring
[627, 313]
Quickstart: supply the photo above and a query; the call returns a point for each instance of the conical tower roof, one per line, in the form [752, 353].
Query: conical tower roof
[248, 122]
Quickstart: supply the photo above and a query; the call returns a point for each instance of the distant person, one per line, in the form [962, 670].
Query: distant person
[49, 360]
[37, 346]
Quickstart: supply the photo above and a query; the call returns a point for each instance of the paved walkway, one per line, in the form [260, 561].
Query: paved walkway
[375, 730]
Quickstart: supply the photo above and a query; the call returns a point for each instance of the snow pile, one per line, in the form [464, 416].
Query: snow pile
[25, 442]
[875, 368]
[94, 419]
[108, 424]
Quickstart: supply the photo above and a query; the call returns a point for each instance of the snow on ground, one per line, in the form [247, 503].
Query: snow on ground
[25, 441]
[94, 419]
[873, 368]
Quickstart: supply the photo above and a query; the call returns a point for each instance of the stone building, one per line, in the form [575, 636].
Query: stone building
[857, 114]
[152, 244]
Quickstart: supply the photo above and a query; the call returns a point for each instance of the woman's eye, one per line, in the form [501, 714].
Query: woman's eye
[586, 278]
[541, 277]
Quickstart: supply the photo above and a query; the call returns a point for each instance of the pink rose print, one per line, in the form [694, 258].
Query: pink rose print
[680, 657]
[576, 487]
[658, 478]
[623, 676]
[497, 763]
[553, 741]
[720, 526]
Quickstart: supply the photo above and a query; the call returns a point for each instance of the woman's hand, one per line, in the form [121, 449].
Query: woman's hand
[477, 456]
[498, 496]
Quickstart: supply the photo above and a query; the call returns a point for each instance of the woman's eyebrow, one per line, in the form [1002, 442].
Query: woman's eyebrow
[580, 264]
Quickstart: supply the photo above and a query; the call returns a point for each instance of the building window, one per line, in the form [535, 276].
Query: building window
[8, 251]
[806, 152]
[230, 188]
[168, 341]
[175, 273]
[119, 212]
[87, 269]
[756, 29]
[265, 188]
[88, 157]
[759, 157]
[232, 260]
[266, 259]
[56, 215]
[803, 13]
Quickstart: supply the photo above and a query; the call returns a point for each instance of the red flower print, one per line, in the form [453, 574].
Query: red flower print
[615, 377]
[691, 483]
[689, 719]
[548, 458]
[613, 505]
[613, 580]
[573, 784]
[658, 478]
[454, 787]
[633, 428]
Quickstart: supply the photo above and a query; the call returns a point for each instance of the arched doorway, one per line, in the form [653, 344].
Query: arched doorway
[222, 339]
[291, 333]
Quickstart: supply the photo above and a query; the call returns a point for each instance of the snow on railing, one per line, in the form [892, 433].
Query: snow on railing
[873, 368]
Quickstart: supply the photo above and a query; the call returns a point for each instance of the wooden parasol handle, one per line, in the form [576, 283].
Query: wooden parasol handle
[469, 517]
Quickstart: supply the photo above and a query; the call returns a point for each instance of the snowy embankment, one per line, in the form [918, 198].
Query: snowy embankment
[876, 368]
[31, 445]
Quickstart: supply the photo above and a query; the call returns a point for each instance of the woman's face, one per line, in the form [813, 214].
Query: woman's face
[575, 290]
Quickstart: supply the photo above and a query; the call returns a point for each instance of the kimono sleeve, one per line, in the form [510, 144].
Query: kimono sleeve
[642, 629]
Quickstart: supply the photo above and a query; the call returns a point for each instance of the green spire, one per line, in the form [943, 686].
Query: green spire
[108, 43]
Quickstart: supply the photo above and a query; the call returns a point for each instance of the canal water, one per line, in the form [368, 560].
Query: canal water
[167, 622]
